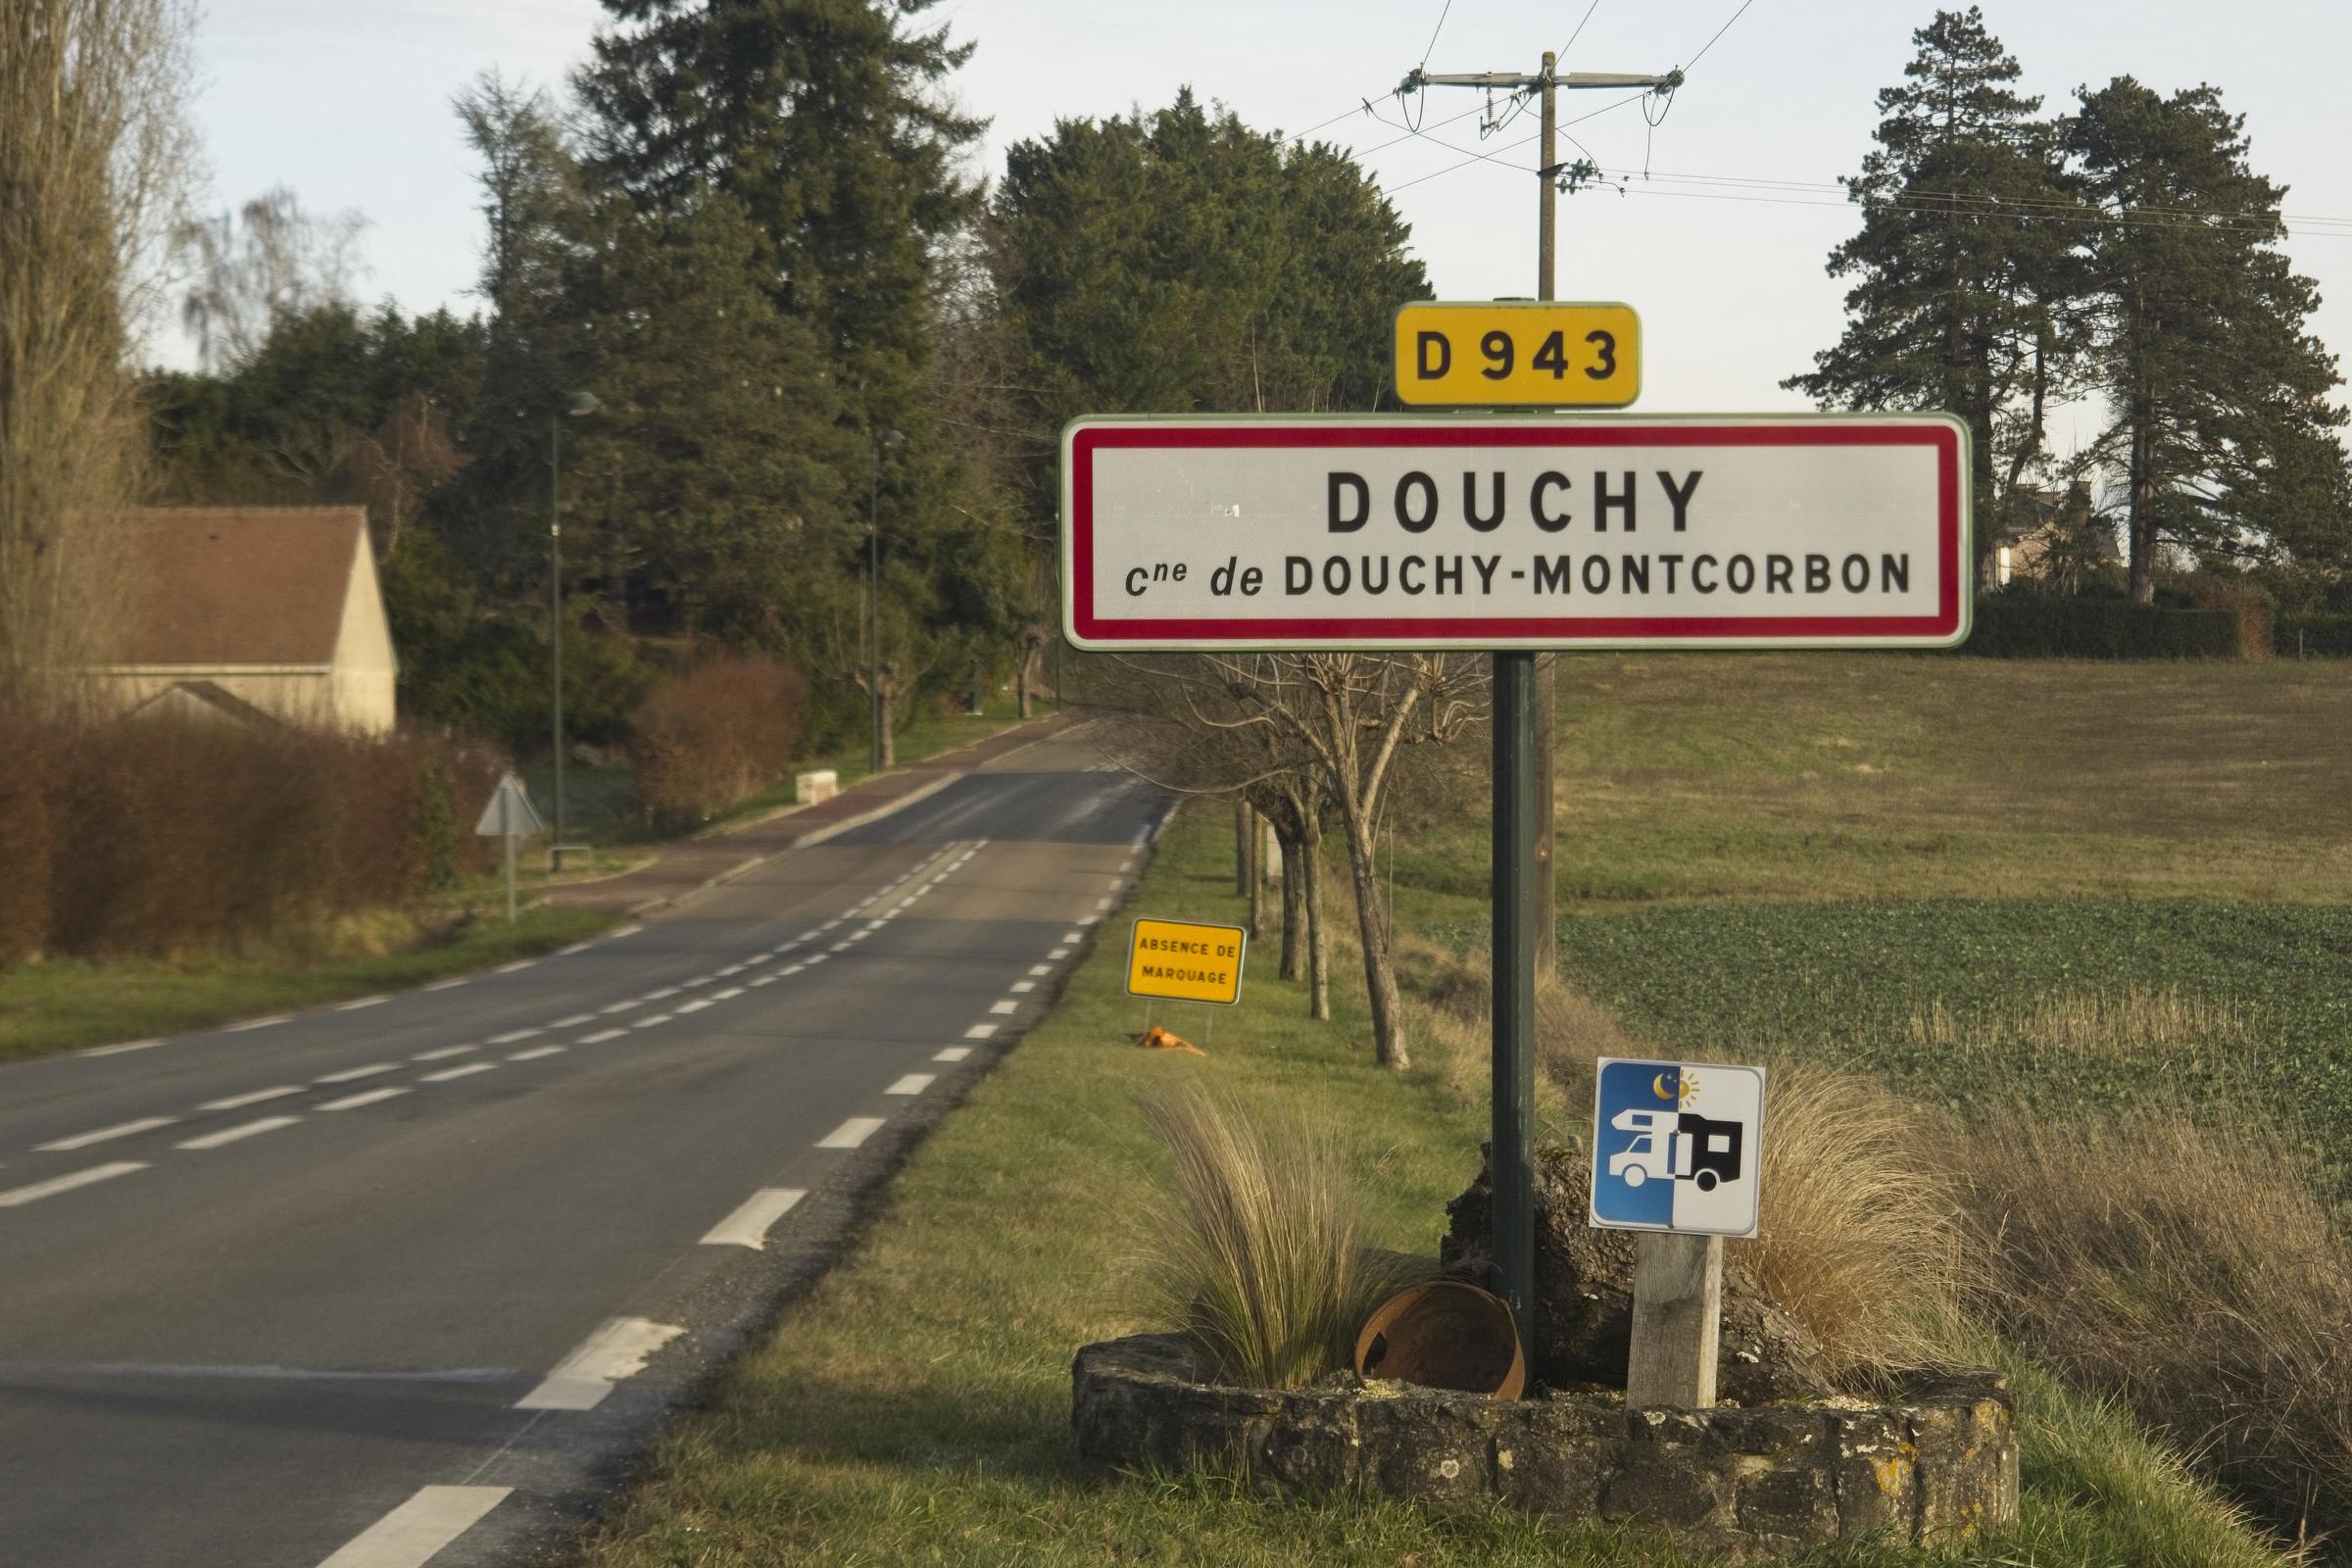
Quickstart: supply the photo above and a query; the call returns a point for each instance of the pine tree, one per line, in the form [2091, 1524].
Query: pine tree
[2221, 439]
[821, 118]
[1964, 262]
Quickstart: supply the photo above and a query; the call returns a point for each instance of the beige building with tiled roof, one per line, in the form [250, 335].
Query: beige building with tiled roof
[272, 607]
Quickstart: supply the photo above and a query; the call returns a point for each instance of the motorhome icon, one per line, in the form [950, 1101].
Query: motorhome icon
[1676, 1146]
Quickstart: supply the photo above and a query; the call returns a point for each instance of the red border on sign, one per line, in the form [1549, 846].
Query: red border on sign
[1943, 439]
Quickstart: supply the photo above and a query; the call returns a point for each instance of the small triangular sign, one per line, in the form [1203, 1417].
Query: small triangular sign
[509, 813]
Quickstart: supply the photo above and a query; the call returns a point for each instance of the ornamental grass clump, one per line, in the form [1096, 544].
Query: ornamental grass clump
[1256, 1248]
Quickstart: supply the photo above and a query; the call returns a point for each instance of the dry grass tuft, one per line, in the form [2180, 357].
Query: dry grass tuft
[2187, 1265]
[1258, 1249]
[1861, 1237]
[2094, 1023]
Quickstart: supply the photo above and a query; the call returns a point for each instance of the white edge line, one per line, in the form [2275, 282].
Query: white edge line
[447, 984]
[257, 1023]
[66, 1184]
[618, 1350]
[117, 1051]
[414, 1532]
[747, 1225]
[364, 1002]
[850, 1134]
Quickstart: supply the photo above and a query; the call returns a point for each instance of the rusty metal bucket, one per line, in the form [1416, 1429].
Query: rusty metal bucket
[1445, 1334]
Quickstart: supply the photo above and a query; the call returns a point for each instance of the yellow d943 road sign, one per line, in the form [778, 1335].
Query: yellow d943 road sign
[1519, 353]
[1186, 962]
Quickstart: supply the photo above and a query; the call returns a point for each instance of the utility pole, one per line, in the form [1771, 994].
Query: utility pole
[1526, 942]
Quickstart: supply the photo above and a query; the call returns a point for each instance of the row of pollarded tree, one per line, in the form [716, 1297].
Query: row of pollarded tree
[1313, 743]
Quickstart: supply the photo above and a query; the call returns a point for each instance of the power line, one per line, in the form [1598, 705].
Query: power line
[1580, 29]
[1489, 157]
[1719, 32]
[1440, 27]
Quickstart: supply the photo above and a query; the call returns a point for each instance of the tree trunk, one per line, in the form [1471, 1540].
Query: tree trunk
[1318, 939]
[1258, 878]
[1380, 967]
[979, 687]
[1241, 849]
[887, 720]
[2141, 526]
[1293, 908]
[1024, 676]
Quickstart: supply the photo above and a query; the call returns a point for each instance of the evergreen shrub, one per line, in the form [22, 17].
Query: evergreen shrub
[2050, 626]
[2313, 635]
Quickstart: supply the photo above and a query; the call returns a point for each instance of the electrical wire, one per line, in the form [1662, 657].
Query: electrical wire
[1439, 28]
[1719, 32]
[1580, 29]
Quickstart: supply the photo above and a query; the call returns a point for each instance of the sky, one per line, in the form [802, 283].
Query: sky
[348, 106]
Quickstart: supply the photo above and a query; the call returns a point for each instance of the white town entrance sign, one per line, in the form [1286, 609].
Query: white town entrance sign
[1501, 531]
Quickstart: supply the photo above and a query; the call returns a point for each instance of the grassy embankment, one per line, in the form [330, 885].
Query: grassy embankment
[914, 1407]
[65, 1004]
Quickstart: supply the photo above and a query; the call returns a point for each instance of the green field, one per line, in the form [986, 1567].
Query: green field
[1726, 889]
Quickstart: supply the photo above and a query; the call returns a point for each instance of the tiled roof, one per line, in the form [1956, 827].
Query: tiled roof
[239, 585]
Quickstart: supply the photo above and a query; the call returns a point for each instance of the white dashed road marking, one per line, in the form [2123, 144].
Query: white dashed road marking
[649, 1022]
[512, 1035]
[1041, 968]
[574, 1021]
[663, 995]
[257, 1023]
[17, 1196]
[447, 984]
[624, 1006]
[412, 1534]
[1060, 952]
[240, 1102]
[467, 1071]
[238, 1134]
[728, 995]
[980, 1031]
[117, 1051]
[351, 1075]
[696, 1005]
[914, 1083]
[951, 1053]
[146, 1124]
[618, 1349]
[535, 1053]
[999, 1008]
[624, 931]
[364, 1002]
[1023, 987]
[1073, 938]
[372, 1096]
[850, 1134]
[515, 968]
[601, 1036]
[442, 1054]
[747, 1225]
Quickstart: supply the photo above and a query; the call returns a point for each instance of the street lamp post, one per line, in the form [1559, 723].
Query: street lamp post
[578, 403]
[873, 603]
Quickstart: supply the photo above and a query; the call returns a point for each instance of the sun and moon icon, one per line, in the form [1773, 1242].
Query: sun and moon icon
[1677, 1087]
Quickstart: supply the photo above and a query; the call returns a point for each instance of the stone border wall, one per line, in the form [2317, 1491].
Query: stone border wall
[1935, 1470]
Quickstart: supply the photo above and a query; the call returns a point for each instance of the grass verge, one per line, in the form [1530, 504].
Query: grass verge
[913, 1407]
[69, 1002]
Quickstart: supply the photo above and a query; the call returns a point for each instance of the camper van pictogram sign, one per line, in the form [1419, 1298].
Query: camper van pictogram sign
[1675, 1146]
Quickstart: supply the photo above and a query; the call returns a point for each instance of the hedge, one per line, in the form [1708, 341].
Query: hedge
[2313, 635]
[2044, 626]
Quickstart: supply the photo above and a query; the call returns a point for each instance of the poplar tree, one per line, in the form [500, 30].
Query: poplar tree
[1964, 266]
[2222, 439]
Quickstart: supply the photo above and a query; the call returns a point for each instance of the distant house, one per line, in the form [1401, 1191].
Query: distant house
[248, 615]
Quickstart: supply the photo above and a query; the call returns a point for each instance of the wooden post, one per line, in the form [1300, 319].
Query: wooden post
[1678, 1316]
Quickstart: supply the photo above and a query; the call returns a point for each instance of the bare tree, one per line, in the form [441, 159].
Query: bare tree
[1349, 716]
[94, 159]
[253, 269]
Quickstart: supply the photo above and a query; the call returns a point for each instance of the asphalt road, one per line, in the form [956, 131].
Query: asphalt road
[409, 1280]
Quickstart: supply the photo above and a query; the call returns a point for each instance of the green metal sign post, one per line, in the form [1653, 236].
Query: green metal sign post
[1510, 1163]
